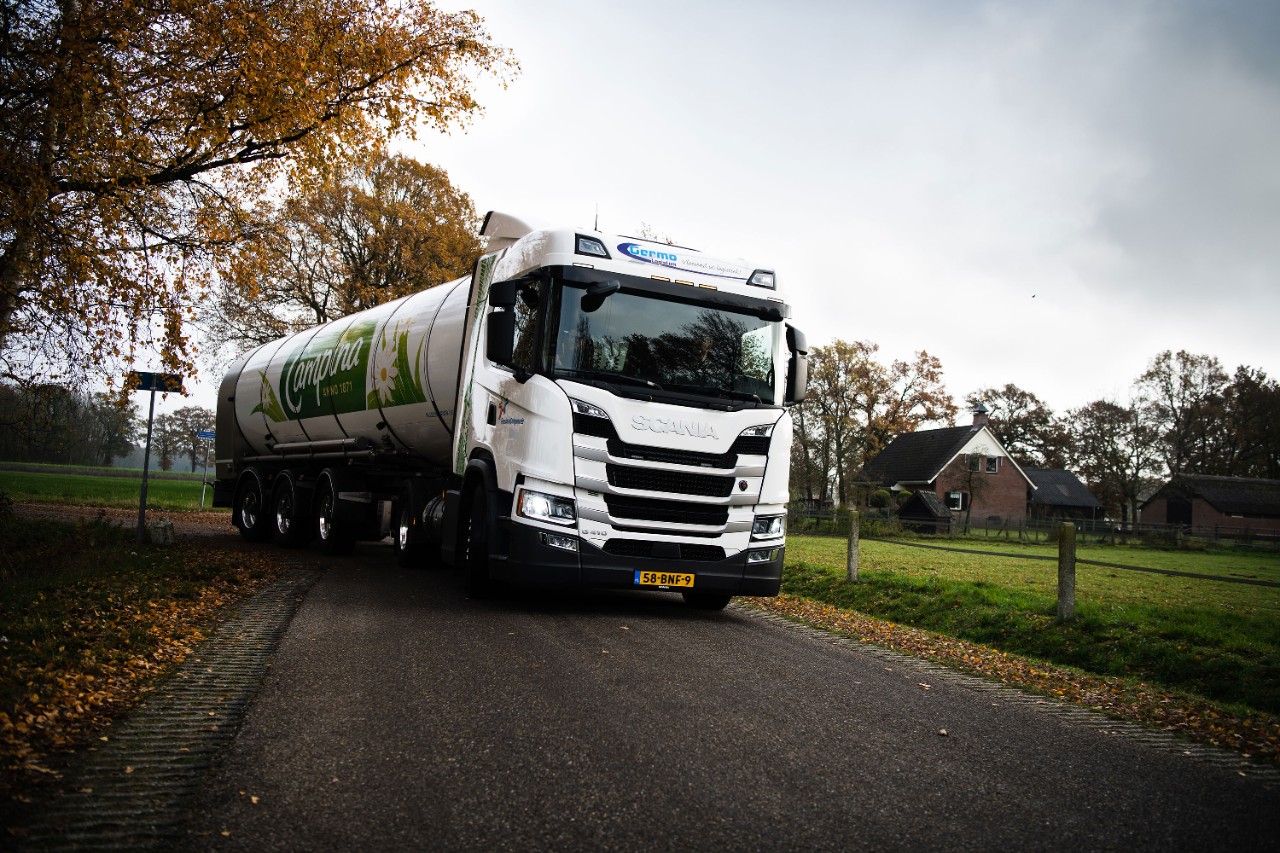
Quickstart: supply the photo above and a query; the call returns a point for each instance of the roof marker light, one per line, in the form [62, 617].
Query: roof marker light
[591, 246]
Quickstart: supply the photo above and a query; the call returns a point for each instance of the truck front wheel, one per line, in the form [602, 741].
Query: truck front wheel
[336, 537]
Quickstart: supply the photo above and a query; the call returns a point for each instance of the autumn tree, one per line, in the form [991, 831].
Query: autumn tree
[139, 140]
[386, 228]
[1025, 426]
[1251, 410]
[1117, 451]
[1183, 396]
[52, 423]
[185, 424]
[856, 405]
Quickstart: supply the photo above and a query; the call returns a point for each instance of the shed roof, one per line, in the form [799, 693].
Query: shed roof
[1229, 495]
[1056, 487]
[924, 504]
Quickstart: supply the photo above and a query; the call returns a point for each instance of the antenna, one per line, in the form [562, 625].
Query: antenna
[596, 227]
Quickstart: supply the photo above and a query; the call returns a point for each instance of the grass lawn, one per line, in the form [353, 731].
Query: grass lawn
[84, 489]
[1217, 640]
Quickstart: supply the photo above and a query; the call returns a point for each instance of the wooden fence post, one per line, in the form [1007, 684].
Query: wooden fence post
[1066, 572]
[851, 567]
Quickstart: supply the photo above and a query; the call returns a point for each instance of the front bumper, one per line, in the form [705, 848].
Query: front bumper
[531, 562]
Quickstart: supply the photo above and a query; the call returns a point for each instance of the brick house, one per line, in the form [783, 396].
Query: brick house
[965, 467]
[1204, 503]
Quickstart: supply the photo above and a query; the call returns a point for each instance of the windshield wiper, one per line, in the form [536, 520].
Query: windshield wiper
[617, 378]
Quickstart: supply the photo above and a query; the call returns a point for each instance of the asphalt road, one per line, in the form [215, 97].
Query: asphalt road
[399, 715]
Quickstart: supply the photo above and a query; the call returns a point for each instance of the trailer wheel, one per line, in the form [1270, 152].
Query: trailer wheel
[292, 530]
[408, 554]
[707, 600]
[251, 510]
[336, 537]
[475, 544]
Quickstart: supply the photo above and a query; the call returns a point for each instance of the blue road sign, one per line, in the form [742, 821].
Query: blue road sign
[205, 435]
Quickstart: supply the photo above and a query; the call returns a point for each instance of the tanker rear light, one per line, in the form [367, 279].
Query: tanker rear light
[590, 246]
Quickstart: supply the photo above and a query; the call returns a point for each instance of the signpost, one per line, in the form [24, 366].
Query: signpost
[205, 435]
[141, 380]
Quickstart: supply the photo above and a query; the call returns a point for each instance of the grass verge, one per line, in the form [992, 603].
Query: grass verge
[77, 489]
[88, 619]
[1208, 648]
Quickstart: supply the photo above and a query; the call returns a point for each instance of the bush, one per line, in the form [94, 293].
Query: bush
[880, 498]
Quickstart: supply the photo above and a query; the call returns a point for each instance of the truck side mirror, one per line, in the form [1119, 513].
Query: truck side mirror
[797, 366]
[502, 294]
[500, 337]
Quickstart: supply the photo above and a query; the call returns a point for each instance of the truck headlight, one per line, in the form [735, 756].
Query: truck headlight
[769, 526]
[543, 507]
[766, 556]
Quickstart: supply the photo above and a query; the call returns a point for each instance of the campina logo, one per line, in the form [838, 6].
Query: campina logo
[650, 256]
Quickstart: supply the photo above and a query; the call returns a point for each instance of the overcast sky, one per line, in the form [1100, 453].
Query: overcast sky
[1043, 193]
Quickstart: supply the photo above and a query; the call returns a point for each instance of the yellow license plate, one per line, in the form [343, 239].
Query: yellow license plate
[663, 579]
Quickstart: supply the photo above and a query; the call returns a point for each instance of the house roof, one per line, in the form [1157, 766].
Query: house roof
[1056, 487]
[1230, 495]
[919, 457]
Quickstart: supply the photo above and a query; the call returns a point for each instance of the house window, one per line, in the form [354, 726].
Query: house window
[993, 464]
[975, 462]
[957, 501]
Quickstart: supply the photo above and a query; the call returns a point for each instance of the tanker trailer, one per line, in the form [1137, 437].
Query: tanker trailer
[583, 410]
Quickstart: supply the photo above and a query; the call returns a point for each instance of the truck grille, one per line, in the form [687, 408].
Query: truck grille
[643, 509]
[753, 445]
[651, 480]
[621, 450]
[639, 548]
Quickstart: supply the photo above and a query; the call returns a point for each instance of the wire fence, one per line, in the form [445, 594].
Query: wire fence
[881, 524]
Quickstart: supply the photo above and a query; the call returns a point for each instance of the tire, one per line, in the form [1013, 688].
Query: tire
[707, 600]
[336, 537]
[407, 516]
[292, 529]
[251, 510]
[475, 546]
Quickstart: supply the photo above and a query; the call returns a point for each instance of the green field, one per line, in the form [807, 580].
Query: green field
[75, 486]
[1213, 639]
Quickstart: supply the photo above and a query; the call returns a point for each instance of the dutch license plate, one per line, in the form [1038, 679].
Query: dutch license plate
[666, 579]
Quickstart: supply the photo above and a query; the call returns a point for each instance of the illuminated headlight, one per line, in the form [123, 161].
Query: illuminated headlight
[543, 507]
[769, 526]
[756, 431]
[766, 556]
[762, 278]
[587, 409]
[591, 246]
[556, 540]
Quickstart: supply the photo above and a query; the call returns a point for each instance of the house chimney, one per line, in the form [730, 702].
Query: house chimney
[980, 415]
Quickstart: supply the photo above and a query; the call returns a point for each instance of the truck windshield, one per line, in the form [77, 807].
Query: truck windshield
[670, 346]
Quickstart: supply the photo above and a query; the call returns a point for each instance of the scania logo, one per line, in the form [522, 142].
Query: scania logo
[693, 428]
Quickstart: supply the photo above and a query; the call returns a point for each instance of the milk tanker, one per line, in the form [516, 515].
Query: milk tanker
[583, 410]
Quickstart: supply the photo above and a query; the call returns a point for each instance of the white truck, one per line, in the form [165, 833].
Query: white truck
[584, 410]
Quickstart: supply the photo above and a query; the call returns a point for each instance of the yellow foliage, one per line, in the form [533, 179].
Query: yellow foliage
[140, 139]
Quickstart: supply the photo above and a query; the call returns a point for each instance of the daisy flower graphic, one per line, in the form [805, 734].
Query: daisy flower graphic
[384, 366]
